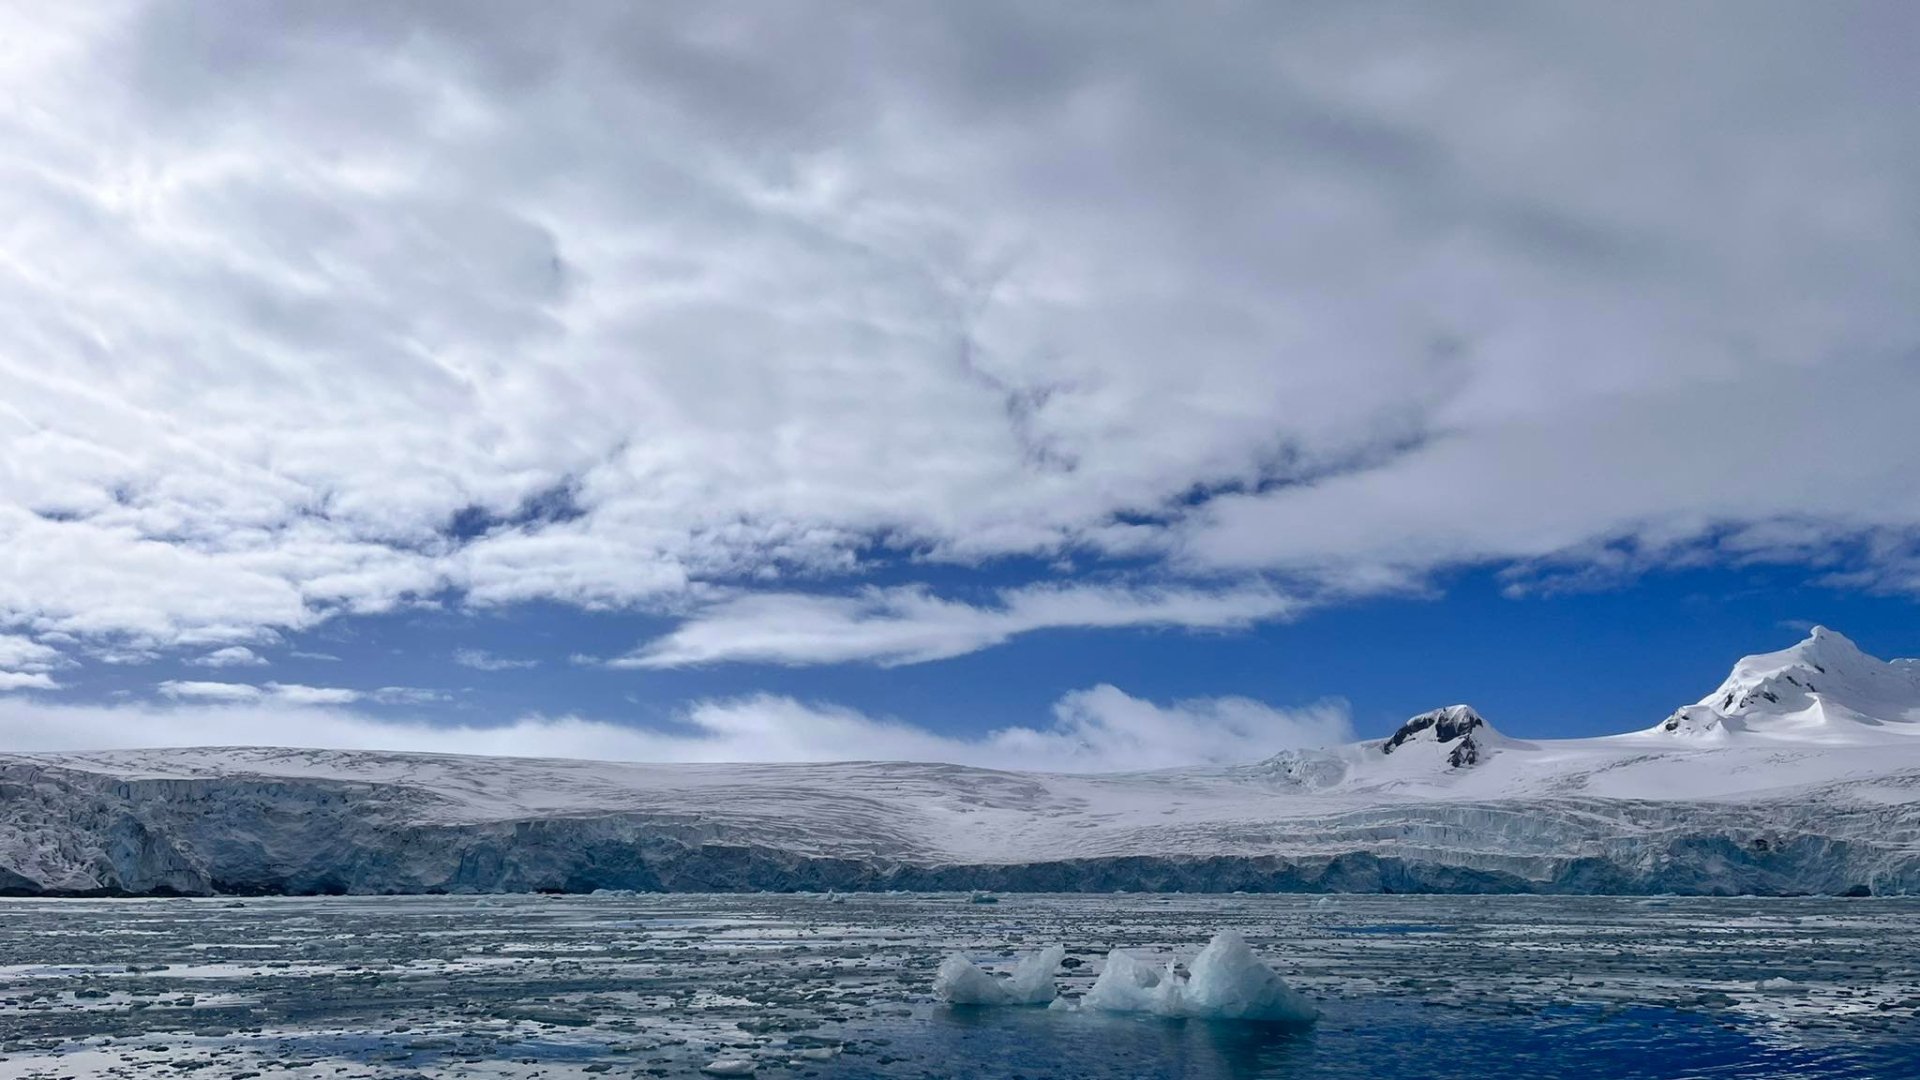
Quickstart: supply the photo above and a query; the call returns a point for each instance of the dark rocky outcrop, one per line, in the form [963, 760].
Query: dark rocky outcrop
[1456, 724]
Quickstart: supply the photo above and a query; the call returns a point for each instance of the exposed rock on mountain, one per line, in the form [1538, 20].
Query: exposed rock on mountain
[1454, 727]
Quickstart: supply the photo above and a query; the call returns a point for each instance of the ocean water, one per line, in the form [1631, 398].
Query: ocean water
[790, 985]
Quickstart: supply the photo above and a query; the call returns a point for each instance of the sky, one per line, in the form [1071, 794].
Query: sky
[1067, 386]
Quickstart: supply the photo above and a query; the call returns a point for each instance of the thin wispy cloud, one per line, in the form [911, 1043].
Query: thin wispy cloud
[910, 625]
[481, 660]
[284, 693]
[278, 693]
[210, 691]
[231, 656]
[410, 695]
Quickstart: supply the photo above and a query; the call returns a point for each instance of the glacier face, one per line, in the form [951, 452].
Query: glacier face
[1801, 773]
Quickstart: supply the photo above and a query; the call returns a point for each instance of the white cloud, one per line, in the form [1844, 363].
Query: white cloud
[296, 694]
[20, 653]
[292, 694]
[210, 691]
[25, 664]
[910, 625]
[1101, 729]
[231, 656]
[482, 660]
[1348, 294]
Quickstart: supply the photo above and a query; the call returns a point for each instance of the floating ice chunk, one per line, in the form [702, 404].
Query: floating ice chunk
[1127, 984]
[961, 982]
[729, 1067]
[1032, 982]
[1229, 982]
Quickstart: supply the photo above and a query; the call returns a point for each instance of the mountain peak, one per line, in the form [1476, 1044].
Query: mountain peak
[1824, 644]
[1824, 686]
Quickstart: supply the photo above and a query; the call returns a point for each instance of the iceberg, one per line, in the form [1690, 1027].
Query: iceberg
[961, 982]
[1231, 982]
[1228, 981]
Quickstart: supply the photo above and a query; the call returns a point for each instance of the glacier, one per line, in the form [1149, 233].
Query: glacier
[1799, 774]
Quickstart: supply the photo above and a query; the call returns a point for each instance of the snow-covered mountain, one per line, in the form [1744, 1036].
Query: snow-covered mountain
[1823, 690]
[1801, 773]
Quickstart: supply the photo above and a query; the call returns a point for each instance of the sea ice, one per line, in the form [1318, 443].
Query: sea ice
[1228, 982]
[961, 982]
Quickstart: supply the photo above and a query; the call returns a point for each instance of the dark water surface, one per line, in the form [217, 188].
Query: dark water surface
[1385, 1041]
[628, 986]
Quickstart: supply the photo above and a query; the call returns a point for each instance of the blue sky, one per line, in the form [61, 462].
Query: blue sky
[1555, 664]
[1045, 386]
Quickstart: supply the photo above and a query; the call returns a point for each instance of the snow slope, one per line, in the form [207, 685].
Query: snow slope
[1800, 773]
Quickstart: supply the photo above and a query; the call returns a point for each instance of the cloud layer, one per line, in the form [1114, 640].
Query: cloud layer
[1097, 730]
[324, 309]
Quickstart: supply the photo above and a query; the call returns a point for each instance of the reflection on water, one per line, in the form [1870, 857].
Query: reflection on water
[1009, 1042]
[1376, 1040]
